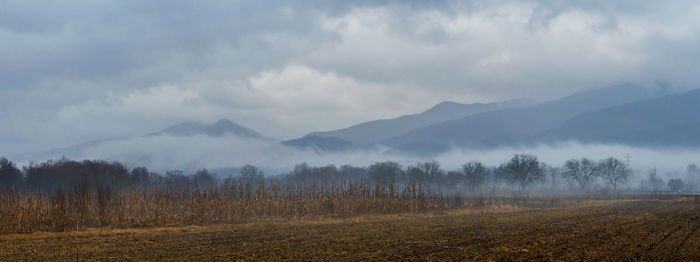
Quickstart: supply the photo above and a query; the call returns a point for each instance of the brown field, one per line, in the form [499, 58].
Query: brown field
[642, 229]
[108, 208]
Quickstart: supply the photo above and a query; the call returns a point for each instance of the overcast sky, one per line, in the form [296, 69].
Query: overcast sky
[72, 71]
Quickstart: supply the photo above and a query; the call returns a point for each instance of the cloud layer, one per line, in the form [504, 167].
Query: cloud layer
[163, 153]
[82, 71]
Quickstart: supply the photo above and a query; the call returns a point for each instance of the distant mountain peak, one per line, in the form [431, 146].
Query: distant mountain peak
[224, 122]
[184, 129]
[219, 128]
[188, 128]
[224, 126]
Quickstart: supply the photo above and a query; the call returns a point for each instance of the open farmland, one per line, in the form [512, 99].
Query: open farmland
[646, 229]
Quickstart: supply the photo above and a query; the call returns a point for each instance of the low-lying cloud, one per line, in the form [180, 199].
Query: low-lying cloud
[162, 153]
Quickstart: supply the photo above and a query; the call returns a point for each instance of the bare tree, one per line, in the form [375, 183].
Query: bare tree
[203, 179]
[10, 176]
[614, 170]
[474, 174]
[524, 169]
[429, 172]
[385, 172]
[655, 182]
[251, 175]
[455, 179]
[583, 171]
[140, 177]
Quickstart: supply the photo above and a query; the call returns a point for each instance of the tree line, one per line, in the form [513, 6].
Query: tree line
[518, 173]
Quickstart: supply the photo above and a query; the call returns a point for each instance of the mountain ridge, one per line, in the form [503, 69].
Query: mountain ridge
[183, 129]
[515, 126]
[669, 120]
[372, 132]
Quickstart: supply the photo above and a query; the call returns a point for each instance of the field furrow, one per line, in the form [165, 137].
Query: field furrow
[620, 230]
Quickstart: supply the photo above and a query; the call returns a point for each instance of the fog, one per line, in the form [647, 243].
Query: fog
[162, 153]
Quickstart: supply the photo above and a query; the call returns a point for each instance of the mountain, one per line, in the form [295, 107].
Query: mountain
[185, 129]
[515, 126]
[321, 144]
[71, 151]
[221, 127]
[672, 120]
[373, 132]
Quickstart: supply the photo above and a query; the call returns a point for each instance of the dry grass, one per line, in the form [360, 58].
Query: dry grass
[237, 203]
[80, 209]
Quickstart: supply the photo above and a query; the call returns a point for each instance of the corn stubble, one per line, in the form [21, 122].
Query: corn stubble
[107, 207]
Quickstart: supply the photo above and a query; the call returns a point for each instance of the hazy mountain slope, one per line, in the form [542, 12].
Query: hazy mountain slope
[72, 151]
[182, 129]
[221, 127]
[372, 132]
[512, 126]
[321, 144]
[670, 121]
[185, 129]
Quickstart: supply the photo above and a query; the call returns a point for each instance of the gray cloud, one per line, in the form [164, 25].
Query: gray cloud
[94, 69]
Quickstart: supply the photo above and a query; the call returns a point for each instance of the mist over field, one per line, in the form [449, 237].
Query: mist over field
[166, 153]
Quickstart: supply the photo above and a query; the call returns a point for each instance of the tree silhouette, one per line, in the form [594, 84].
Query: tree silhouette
[614, 170]
[582, 171]
[523, 168]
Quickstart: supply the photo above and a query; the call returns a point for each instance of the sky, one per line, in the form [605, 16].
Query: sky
[77, 71]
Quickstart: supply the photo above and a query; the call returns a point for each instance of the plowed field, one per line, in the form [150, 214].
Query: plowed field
[651, 230]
